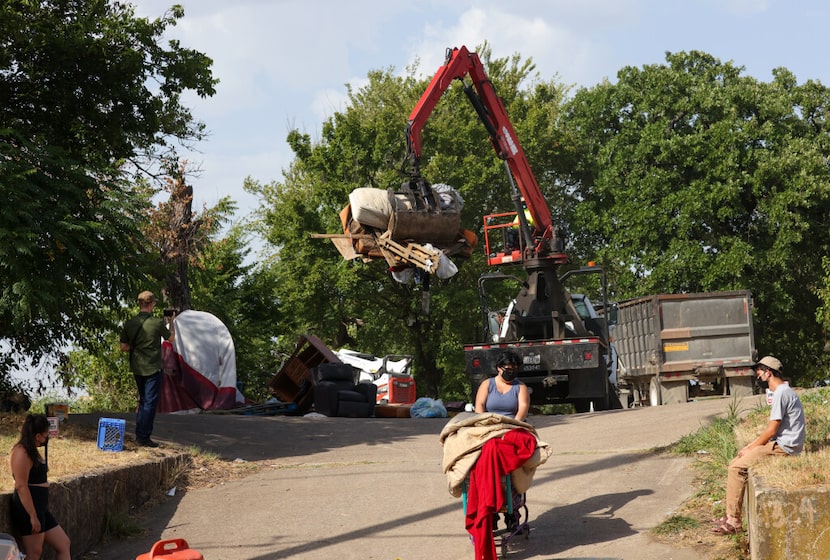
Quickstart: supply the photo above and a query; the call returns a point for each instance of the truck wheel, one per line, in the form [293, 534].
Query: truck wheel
[654, 395]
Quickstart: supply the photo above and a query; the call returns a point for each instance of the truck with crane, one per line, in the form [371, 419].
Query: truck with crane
[564, 354]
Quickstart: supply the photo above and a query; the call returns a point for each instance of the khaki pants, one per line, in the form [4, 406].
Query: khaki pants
[737, 474]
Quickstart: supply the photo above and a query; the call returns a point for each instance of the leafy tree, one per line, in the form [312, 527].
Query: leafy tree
[690, 176]
[823, 316]
[102, 372]
[243, 297]
[90, 95]
[364, 146]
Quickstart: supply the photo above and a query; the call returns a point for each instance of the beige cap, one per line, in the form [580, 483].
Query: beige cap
[146, 297]
[772, 363]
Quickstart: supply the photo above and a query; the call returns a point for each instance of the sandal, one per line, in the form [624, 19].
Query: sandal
[726, 529]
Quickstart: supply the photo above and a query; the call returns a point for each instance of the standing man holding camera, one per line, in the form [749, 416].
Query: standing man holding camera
[141, 336]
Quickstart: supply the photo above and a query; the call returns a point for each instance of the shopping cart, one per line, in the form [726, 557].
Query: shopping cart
[515, 514]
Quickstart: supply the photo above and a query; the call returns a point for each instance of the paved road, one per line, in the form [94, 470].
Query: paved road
[373, 489]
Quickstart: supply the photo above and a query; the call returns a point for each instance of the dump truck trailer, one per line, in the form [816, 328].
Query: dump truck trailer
[671, 346]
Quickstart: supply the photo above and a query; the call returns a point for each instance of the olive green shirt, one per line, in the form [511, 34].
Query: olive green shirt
[144, 334]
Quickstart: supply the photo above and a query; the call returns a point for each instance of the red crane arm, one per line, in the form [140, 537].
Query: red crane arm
[460, 63]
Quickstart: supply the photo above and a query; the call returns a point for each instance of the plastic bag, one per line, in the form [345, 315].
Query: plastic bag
[446, 268]
[403, 275]
[426, 407]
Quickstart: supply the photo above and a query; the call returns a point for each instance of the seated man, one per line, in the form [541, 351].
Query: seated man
[783, 436]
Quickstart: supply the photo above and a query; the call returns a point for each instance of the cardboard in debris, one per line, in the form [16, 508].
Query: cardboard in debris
[392, 411]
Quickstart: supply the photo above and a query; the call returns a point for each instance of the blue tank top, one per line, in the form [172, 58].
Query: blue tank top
[506, 404]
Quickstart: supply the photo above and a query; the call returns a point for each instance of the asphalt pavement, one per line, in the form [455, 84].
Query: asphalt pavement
[374, 489]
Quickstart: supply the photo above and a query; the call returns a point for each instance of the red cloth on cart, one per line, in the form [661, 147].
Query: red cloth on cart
[484, 493]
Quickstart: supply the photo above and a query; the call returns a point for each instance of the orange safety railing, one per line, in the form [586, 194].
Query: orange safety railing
[502, 240]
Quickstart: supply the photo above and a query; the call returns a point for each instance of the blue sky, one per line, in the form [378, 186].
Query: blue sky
[283, 64]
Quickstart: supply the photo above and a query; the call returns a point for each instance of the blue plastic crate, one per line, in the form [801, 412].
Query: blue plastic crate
[111, 434]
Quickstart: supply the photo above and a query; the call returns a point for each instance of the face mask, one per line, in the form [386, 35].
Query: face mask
[508, 374]
[761, 383]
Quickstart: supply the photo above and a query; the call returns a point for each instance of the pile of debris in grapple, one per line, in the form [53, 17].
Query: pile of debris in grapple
[399, 228]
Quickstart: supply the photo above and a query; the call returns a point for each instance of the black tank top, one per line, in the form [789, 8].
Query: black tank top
[37, 474]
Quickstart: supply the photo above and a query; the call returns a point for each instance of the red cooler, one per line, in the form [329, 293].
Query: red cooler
[172, 549]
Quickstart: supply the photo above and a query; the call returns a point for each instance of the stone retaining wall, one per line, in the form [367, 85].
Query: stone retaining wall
[82, 505]
[787, 524]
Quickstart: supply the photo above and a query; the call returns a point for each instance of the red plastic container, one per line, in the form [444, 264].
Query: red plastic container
[171, 549]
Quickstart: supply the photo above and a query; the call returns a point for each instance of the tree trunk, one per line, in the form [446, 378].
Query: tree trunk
[177, 241]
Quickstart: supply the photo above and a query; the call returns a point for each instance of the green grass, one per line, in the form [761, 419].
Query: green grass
[555, 409]
[120, 525]
[676, 524]
[817, 414]
[713, 446]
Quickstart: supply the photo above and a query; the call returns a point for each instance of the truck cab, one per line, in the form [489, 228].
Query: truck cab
[567, 365]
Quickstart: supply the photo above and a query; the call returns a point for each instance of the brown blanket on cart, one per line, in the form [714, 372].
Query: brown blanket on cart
[465, 434]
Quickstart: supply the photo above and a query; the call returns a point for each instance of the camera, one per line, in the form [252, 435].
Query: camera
[170, 312]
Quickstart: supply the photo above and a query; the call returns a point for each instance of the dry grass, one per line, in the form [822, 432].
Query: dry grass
[805, 471]
[75, 452]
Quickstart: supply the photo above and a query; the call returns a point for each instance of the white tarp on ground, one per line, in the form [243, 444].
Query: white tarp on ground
[200, 365]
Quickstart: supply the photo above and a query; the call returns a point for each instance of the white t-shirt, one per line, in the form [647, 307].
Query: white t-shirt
[786, 406]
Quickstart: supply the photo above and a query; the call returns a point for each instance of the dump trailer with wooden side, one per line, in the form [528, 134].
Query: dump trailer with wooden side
[671, 345]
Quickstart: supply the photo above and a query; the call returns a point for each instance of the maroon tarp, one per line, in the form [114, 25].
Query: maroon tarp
[184, 388]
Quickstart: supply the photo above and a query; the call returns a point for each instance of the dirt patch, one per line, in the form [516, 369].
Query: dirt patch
[709, 545]
[208, 472]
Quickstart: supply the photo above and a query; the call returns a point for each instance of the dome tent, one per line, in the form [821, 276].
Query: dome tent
[199, 366]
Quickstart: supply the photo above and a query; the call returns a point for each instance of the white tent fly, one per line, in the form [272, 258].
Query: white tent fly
[200, 366]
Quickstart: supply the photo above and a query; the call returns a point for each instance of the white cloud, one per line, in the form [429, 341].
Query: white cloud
[554, 48]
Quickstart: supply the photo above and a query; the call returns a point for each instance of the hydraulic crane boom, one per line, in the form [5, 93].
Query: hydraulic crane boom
[562, 360]
[459, 64]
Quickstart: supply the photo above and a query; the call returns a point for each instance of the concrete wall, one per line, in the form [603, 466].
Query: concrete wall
[81, 505]
[787, 524]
